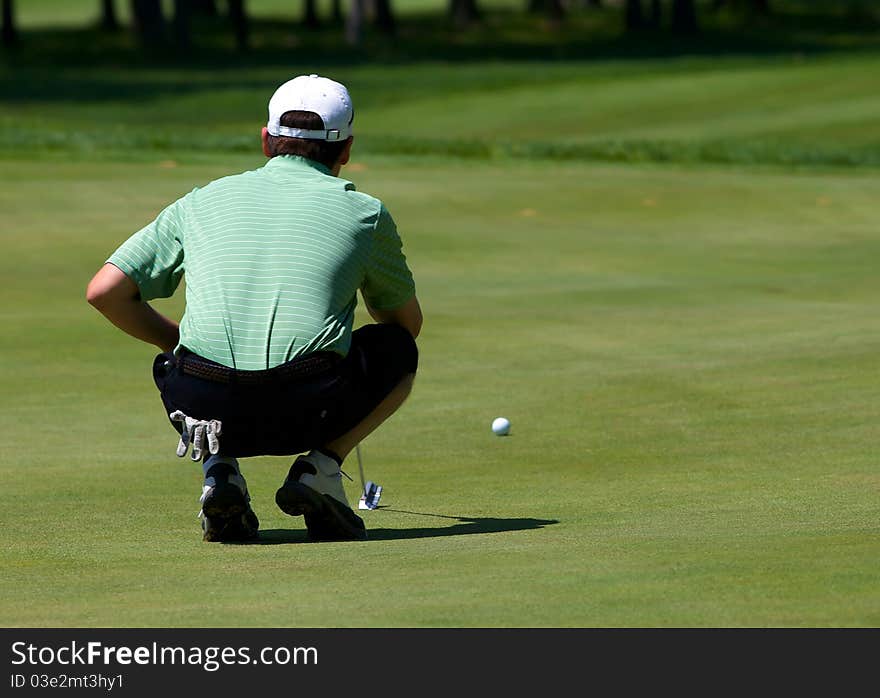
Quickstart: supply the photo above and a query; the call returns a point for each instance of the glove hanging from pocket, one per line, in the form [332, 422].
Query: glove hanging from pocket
[196, 432]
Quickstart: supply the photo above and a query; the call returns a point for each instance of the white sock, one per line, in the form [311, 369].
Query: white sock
[212, 460]
[323, 462]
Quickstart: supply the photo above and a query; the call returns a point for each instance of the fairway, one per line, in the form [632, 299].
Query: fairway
[661, 270]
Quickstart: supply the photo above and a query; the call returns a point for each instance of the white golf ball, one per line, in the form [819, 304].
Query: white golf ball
[501, 426]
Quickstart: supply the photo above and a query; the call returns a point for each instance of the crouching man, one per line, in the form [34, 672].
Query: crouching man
[265, 360]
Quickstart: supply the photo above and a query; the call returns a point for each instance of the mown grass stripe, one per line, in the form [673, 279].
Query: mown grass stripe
[758, 152]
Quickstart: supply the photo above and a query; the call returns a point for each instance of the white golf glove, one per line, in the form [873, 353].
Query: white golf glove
[196, 432]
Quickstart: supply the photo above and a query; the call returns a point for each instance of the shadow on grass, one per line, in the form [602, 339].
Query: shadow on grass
[466, 525]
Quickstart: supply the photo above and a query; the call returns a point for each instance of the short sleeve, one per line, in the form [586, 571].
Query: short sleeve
[153, 257]
[388, 282]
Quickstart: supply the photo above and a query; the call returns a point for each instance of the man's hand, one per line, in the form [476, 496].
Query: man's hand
[196, 432]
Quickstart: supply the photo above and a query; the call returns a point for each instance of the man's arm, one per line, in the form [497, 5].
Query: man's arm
[118, 299]
[408, 316]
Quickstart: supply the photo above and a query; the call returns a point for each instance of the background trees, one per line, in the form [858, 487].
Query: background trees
[180, 26]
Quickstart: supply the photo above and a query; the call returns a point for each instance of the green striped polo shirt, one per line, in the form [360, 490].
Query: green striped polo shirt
[273, 260]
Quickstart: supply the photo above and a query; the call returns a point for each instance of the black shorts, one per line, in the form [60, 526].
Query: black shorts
[274, 413]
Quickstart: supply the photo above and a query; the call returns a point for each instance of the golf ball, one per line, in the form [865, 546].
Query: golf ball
[501, 426]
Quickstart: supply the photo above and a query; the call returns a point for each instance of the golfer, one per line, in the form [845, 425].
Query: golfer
[265, 360]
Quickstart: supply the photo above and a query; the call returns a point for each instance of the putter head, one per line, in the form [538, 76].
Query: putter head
[370, 496]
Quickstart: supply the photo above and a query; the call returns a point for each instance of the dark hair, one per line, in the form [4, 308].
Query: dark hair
[325, 152]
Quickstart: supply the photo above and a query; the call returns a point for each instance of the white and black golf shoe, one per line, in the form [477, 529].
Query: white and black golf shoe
[226, 513]
[313, 489]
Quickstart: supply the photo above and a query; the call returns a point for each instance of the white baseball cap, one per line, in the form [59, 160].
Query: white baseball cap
[326, 98]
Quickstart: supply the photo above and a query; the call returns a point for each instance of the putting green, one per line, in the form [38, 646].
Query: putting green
[687, 352]
[688, 358]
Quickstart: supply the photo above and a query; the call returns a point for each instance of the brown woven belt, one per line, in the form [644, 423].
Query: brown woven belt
[302, 367]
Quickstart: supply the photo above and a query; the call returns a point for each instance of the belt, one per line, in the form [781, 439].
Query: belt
[302, 367]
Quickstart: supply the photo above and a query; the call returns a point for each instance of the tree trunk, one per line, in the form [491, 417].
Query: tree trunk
[464, 12]
[149, 23]
[555, 10]
[8, 33]
[355, 22]
[552, 8]
[109, 20]
[655, 17]
[684, 17]
[310, 14]
[336, 11]
[183, 24]
[633, 16]
[204, 7]
[238, 16]
[384, 16]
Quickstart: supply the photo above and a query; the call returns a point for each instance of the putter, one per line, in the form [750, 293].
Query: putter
[370, 491]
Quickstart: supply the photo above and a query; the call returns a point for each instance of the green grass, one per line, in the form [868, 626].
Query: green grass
[794, 89]
[662, 271]
[688, 358]
[797, 111]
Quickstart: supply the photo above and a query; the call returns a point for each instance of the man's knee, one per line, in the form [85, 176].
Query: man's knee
[409, 354]
[406, 384]
[389, 340]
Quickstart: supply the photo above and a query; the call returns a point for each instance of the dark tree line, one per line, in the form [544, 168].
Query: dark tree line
[683, 17]
[154, 29]
[151, 26]
[148, 20]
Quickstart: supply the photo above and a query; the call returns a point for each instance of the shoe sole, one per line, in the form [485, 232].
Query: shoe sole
[236, 529]
[326, 519]
[225, 501]
[230, 518]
